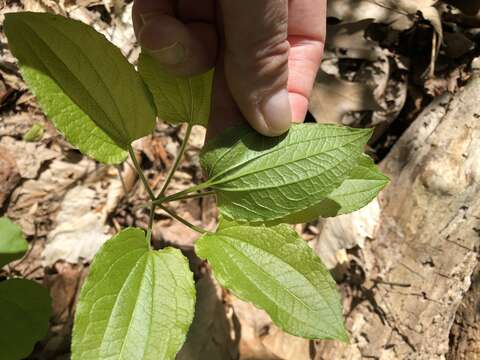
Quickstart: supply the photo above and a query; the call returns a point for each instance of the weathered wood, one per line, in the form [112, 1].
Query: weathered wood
[419, 266]
[465, 333]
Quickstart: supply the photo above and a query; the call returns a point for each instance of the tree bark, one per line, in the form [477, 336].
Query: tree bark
[403, 292]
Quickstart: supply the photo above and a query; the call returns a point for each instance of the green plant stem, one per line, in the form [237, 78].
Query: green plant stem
[150, 223]
[183, 221]
[177, 161]
[140, 173]
[189, 196]
[181, 194]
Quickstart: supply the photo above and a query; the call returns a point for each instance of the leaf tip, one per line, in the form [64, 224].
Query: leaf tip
[342, 335]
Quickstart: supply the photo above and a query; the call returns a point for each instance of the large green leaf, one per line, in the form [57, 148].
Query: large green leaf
[362, 186]
[12, 242]
[72, 122]
[273, 268]
[136, 303]
[263, 179]
[25, 309]
[81, 63]
[178, 99]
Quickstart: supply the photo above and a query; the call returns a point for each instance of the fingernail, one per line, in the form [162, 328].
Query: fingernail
[276, 113]
[171, 55]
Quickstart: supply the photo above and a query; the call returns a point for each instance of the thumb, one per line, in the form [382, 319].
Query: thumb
[256, 61]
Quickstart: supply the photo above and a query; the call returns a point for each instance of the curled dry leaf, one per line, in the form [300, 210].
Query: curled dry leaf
[81, 231]
[33, 203]
[345, 232]
[399, 15]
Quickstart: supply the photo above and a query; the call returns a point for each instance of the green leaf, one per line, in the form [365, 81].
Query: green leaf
[262, 179]
[72, 122]
[35, 133]
[363, 185]
[136, 303]
[178, 99]
[25, 309]
[12, 242]
[103, 89]
[273, 268]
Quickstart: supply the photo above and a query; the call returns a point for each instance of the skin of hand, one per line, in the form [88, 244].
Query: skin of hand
[266, 54]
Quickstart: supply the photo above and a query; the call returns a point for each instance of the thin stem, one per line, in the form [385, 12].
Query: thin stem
[182, 193]
[177, 161]
[140, 173]
[183, 221]
[150, 223]
[189, 196]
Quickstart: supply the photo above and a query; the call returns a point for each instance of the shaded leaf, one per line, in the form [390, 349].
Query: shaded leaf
[263, 179]
[273, 268]
[82, 81]
[12, 242]
[24, 315]
[136, 303]
[178, 99]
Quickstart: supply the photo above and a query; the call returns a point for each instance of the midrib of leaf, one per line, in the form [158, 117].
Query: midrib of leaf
[117, 109]
[274, 186]
[92, 133]
[107, 118]
[151, 304]
[71, 105]
[285, 237]
[106, 273]
[167, 99]
[225, 153]
[273, 151]
[259, 269]
[184, 104]
[172, 278]
[140, 261]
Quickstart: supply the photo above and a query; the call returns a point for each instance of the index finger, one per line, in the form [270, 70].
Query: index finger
[306, 34]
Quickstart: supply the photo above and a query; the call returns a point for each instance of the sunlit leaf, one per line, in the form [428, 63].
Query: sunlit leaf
[136, 303]
[263, 179]
[273, 268]
[83, 83]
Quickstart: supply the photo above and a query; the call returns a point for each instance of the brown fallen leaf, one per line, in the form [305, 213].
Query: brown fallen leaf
[9, 175]
[345, 232]
[29, 156]
[332, 98]
[349, 40]
[399, 14]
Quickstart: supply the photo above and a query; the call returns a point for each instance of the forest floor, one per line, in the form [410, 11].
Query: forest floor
[383, 65]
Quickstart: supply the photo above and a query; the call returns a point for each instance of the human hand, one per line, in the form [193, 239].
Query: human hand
[266, 53]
